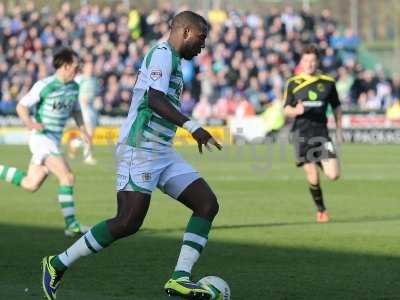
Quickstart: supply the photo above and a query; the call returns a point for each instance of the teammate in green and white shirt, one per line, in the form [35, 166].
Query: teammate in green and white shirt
[146, 160]
[55, 99]
[87, 94]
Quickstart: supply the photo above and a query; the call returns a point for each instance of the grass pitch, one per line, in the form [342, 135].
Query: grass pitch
[265, 241]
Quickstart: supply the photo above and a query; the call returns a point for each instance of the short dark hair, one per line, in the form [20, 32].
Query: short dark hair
[310, 49]
[187, 18]
[64, 55]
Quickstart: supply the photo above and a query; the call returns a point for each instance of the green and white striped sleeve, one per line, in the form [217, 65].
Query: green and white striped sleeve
[33, 96]
[159, 68]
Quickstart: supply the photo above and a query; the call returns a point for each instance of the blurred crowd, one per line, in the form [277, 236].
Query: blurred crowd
[241, 72]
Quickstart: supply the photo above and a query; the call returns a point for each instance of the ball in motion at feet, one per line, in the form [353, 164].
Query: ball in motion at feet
[217, 286]
[75, 145]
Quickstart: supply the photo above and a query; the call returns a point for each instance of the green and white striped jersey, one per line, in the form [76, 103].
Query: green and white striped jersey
[54, 101]
[143, 128]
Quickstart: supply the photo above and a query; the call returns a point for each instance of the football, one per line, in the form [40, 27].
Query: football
[217, 286]
[74, 146]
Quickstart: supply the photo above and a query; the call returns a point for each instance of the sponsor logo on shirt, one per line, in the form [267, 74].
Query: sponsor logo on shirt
[312, 95]
[155, 75]
[312, 103]
[60, 105]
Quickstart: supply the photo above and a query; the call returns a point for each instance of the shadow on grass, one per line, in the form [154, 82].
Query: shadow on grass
[136, 269]
[364, 219]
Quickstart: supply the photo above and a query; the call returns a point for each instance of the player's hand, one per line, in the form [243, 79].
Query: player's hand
[35, 126]
[203, 137]
[299, 108]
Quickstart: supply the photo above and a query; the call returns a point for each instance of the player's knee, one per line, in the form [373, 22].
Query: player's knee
[209, 208]
[333, 176]
[313, 179]
[134, 228]
[31, 186]
[129, 226]
[214, 206]
[312, 176]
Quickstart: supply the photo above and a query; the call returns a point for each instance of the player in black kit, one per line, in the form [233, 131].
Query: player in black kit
[307, 97]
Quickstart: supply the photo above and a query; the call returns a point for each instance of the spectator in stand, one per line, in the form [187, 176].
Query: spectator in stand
[369, 100]
[112, 94]
[7, 105]
[393, 111]
[242, 48]
[308, 20]
[292, 21]
[363, 87]
[202, 111]
[125, 99]
[351, 41]
[188, 72]
[326, 20]
[225, 107]
[330, 61]
[343, 86]
[253, 94]
[187, 103]
[243, 108]
[396, 86]
[383, 89]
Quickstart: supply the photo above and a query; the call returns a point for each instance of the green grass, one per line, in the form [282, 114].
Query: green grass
[265, 242]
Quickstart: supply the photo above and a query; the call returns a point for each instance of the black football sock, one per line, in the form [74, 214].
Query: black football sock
[316, 194]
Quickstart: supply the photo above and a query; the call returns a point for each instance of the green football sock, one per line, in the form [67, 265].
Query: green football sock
[180, 274]
[194, 241]
[95, 240]
[66, 200]
[11, 175]
[58, 265]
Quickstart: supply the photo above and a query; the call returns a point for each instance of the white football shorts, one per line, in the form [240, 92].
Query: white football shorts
[43, 146]
[142, 171]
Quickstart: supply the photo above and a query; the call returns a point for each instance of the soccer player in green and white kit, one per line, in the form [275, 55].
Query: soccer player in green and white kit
[146, 160]
[87, 94]
[55, 99]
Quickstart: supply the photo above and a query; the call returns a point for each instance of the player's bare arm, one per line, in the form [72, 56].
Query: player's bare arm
[24, 115]
[161, 106]
[77, 115]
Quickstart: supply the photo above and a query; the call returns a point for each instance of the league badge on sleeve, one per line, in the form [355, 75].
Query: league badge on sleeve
[155, 75]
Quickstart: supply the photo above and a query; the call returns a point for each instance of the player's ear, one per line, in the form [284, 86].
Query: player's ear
[186, 32]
